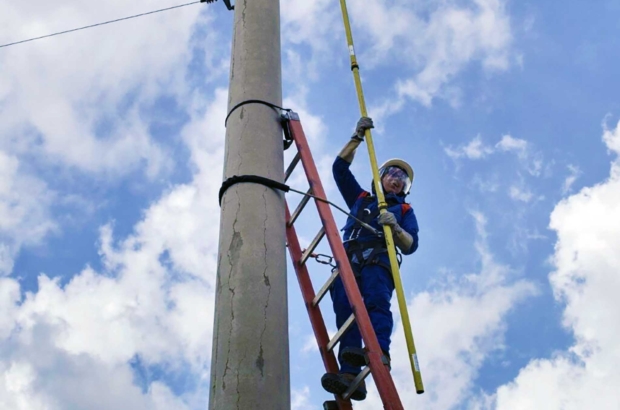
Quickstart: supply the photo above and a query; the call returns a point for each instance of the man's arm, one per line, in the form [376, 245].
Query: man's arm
[348, 151]
[403, 239]
[409, 226]
[348, 186]
[405, 236]
[345, 181]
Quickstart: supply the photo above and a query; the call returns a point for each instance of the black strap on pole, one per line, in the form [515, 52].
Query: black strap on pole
[255, 179]
[284, 119]
[242, 103]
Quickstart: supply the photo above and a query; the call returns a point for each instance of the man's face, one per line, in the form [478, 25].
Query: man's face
[394, 180]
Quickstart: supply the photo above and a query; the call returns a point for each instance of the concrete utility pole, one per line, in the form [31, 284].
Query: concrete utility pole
[250, 362]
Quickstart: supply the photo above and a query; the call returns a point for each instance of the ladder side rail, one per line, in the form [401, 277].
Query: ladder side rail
[314, 312]
[381, 375]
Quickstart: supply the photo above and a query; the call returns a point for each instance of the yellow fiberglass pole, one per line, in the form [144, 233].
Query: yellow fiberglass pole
[387, 231]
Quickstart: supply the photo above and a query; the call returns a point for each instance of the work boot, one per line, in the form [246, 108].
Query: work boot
[339, 383]
[360, 393]
[356, 356]
[387, 359]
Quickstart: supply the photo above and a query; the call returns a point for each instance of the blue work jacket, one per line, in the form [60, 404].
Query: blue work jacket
[354, 195]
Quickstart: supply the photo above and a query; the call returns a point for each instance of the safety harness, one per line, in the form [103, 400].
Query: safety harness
[362, 253]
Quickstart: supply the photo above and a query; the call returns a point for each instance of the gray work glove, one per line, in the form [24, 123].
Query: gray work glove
[364, 123]
[387, 218]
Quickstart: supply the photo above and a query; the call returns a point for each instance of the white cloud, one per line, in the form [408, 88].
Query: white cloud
[456, 327]
[300, 399]
[315, 24]
[310, 345]
[81, 99]
[612, 138]
[586, 280]
[490, 184]
[23, 388]
[437, 41]
[530, 161]
[574, 173]
[520, 194]
[309, 21]
[509, 143]
[440, 40]
[24, 210]
[475, 149]
[9, 298]
[82, 103]
[70, 346]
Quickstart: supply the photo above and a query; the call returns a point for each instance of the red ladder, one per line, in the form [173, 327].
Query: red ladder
[376, 367]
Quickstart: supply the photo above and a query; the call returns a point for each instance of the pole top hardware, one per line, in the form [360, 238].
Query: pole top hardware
[226, 2]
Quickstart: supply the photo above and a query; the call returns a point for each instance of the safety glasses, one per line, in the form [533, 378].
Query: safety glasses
[398, 174]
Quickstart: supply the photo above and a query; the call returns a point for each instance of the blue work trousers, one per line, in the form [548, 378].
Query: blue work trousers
[376, 286]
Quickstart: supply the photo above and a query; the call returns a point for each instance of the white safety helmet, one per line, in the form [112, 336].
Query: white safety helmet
[403, 165]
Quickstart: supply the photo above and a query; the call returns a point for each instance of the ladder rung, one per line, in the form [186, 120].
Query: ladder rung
[291, 166]
[332, 343]
[319, 296]
[300, 208]
[313, 245]
[356, 382]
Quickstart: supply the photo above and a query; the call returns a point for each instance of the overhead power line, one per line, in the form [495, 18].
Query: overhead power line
[100, 24]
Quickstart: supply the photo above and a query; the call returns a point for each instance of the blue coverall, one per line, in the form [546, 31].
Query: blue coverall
[375, 281]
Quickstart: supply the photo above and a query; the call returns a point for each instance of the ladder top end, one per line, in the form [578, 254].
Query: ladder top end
[290, 115]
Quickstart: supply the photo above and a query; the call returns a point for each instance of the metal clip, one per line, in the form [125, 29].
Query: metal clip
[323, 259]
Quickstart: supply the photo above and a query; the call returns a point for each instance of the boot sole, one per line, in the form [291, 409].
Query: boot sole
[333, 383]
[354, 358]
[358, 358]
[358, 395]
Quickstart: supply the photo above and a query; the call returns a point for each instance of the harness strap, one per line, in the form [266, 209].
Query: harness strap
[355, 250]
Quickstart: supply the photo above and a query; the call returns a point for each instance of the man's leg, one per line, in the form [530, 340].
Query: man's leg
[339, 383]
[376, 287]
[342, 309]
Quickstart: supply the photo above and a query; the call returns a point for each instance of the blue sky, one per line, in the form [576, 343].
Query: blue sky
[111, 147]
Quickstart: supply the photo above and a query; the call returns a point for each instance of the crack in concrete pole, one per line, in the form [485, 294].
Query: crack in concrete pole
[260, 361]
[250, 364]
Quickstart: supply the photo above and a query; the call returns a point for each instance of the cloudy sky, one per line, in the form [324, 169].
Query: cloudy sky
[111, 147]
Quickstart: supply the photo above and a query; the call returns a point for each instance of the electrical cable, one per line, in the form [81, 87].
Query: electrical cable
[270, 183]
[100, 24]
[364, 224]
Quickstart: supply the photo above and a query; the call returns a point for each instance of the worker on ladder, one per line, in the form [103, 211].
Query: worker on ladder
[368, 256]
